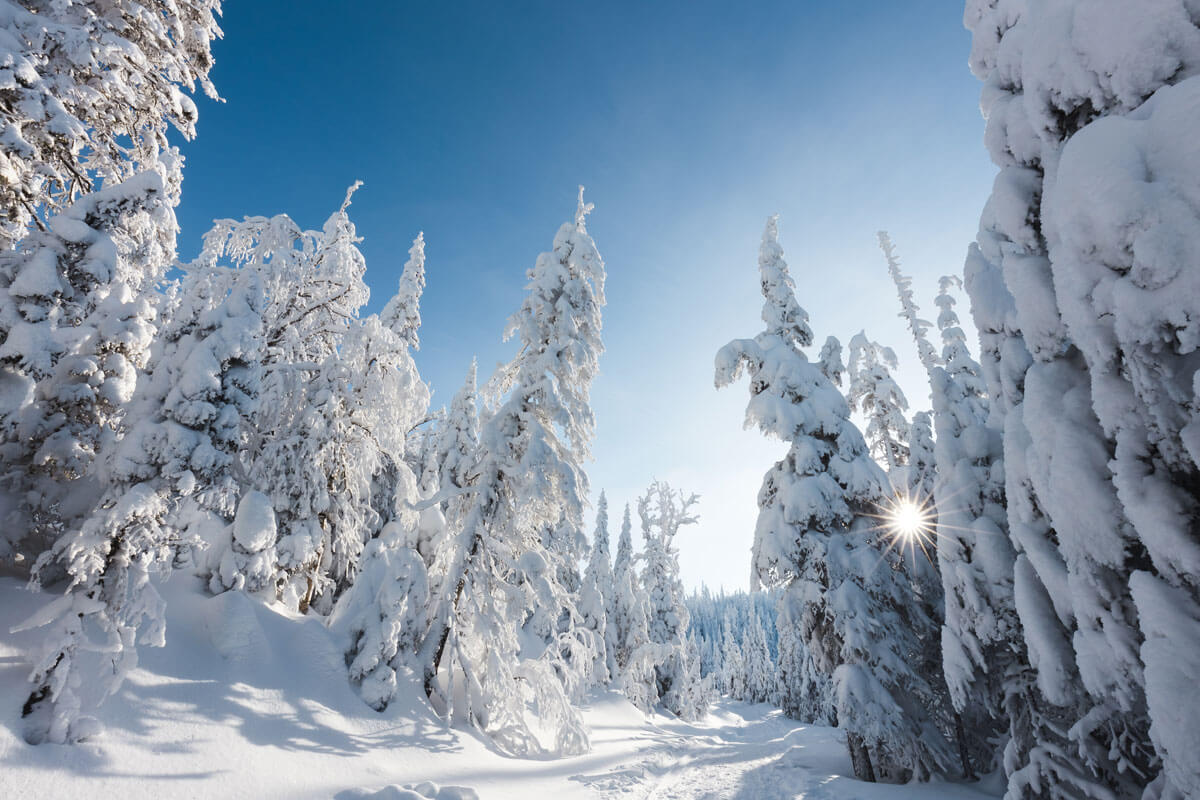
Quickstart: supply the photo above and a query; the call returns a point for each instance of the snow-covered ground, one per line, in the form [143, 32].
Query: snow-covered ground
[248, 701]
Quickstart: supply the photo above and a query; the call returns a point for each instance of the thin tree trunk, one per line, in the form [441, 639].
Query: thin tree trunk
[961, 735]
[860, 759]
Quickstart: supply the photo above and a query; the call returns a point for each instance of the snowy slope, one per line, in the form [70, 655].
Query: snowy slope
[249, 701]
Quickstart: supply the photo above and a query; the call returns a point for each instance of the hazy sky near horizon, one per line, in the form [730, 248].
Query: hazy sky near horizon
[688, 122]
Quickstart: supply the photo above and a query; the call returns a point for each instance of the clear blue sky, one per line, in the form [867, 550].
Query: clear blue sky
[689, 123]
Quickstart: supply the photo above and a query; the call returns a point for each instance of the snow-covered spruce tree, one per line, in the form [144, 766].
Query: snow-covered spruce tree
[1123, 234]
[815, 538]
[457, 443]
[92, 89]
[596, 598]
[760, 667]
[530, 474]
[1054, 72]
[76, 319]
[630, 623]
[908, 306]
[176, 465]
[878, 397]
[733, 662]
[663, 511]
[981, 647]
[830, 361]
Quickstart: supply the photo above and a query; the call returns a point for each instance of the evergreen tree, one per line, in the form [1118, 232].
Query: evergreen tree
[530, 475]
[760, 672]
[175, 466]
[597, 595]
[1080, 536]
[874, 393]
[814, 537]
[77, 316]
[663, 511]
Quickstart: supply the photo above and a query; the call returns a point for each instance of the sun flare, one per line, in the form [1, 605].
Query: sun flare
[909, 521]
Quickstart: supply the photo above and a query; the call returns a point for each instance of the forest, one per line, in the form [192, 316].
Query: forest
[998, 591]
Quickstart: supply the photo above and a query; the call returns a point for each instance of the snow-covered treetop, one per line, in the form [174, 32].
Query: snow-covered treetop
[955, 355]
[782, 313]
[558, 325]
[908, 307]
[313, 281]
[830, 360]
[403, 312]
[877, 395]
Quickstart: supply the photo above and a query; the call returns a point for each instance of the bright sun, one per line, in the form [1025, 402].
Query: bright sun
[909, 521]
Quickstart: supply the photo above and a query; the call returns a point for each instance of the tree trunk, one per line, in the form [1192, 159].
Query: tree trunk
[961, 735]
[860, 759]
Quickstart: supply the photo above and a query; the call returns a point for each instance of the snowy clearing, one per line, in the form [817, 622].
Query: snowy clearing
[268, 712]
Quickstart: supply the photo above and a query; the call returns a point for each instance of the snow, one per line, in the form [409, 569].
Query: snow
[270, 713]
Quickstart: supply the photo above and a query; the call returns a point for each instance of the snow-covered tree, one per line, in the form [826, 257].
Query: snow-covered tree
[815, 537]
[630, 619]
[92, 89]
[76, 320]
[875, 394]
[530, 475]
[733, 661]
[663, 511]
[830, 361]
[760, 667]
[174, 470]
[909, 311]
[1063, 83]
[596, 598]
[402, 314]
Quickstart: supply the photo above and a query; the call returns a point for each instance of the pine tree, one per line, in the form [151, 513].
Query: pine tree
[175, 467]
[1079, 534]
[814, 537]
[663, 511]
[760, 673]
[76, 318]
[596, 597]
[530, 475]
[874, 393]
[909, 311]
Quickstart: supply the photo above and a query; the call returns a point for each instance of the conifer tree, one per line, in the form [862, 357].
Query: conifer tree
[530, 475]
[876, 394]
[597, 595]
[178, 460]
[814, 538]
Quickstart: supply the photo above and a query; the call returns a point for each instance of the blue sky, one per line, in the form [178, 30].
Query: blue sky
[688, 122]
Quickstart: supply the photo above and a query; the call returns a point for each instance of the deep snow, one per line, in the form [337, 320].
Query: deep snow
[250, 701]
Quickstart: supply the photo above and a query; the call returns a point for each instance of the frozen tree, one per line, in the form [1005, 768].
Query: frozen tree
[733, 662]
[1062, 79]
[380, 617]
[175, 466]
[760, 671]
[402, 314]
[875, 394]
[908, 306]
[663, 511]
[336, 393]
[629, 619]
[830, 361]
[815, 538]
[596, 598]
[76, 320]
[91, 91]
[530, 475]
[457, 442]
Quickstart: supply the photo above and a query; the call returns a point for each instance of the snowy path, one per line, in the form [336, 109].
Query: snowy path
[248, 702]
